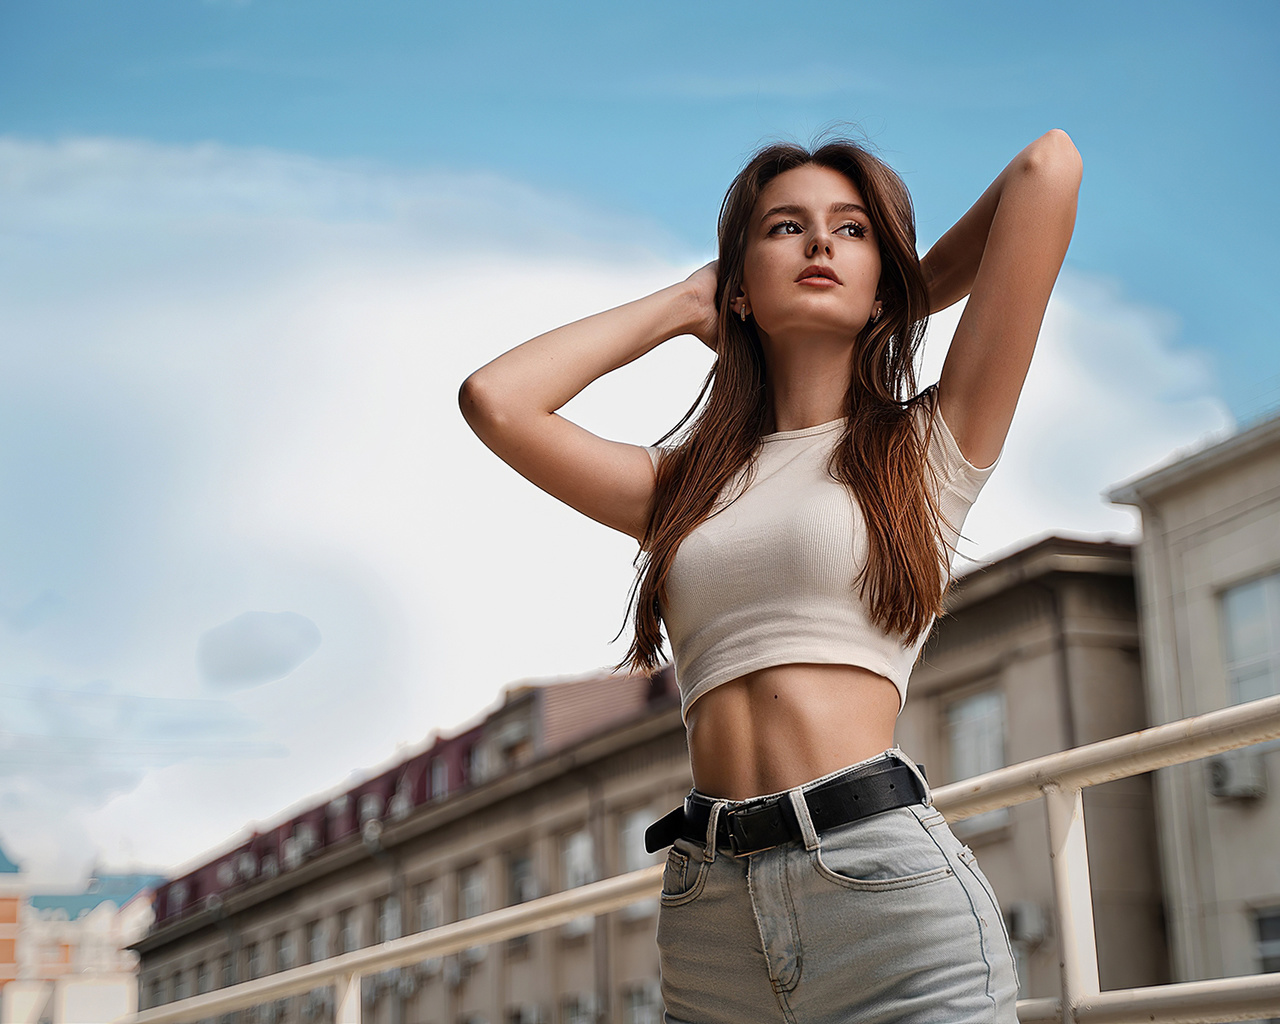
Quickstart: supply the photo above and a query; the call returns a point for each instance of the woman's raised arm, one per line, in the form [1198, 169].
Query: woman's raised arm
[1005, 254]
[512, 402]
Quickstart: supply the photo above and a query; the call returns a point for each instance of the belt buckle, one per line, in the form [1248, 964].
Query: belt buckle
[739, 826]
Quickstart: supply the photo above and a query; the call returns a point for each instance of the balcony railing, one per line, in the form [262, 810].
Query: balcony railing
[1058, 779]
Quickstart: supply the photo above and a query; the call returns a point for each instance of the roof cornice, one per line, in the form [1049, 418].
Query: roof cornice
[1153, 483]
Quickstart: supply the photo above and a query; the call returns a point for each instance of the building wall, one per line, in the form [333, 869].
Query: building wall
[1053, 629]
[1210, 522]
[592, 786]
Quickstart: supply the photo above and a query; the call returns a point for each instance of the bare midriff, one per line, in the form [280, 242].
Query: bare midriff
[786, 725]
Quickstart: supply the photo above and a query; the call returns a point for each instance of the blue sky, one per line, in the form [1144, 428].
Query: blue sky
[248, 250]
[649, 108]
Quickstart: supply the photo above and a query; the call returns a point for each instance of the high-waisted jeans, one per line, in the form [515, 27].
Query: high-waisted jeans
[887, 920]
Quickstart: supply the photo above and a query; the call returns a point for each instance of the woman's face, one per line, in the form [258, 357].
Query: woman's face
[812, 263]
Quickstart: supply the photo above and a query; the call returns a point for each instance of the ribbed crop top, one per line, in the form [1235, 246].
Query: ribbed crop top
[768, 580]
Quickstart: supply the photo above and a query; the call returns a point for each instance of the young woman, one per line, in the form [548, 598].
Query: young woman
[797, 542]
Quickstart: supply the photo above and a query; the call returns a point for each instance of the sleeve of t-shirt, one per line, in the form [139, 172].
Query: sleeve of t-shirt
[957, 474]
[655, 453]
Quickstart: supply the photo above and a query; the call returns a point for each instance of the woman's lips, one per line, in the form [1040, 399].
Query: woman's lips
[818, 275]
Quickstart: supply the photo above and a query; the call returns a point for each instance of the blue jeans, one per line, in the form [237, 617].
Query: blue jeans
[887, 920]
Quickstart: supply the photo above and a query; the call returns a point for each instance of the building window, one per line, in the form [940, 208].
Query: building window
[253, 961]
[202, 978]
[228, 970]
[641, 1004]
[975, 735]
[578, 1010]
[284, 951]
[577, 859]
[439, 778]
[522, 885]
[633, 856]
[1268, 924]
[470, 892]
[317, 942]
[1251, 639]
[427, 900]
[348, 939]
[157, 991]
[386, 918]
[180, 985]
[577, 867]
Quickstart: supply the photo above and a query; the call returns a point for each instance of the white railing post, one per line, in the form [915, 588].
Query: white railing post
[1073, 896]
[346, 999]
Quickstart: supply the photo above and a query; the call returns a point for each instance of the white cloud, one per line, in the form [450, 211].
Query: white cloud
[1108, 395]
[228, 382]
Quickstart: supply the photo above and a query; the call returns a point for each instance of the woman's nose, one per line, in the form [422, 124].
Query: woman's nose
[816, 243]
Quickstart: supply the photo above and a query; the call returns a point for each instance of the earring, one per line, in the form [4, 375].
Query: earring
[742, 313]
[875, 319]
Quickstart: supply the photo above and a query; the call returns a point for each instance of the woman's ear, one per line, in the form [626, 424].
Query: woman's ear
[740, 305]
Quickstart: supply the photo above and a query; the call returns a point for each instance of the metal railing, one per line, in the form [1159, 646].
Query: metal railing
[1058, 779]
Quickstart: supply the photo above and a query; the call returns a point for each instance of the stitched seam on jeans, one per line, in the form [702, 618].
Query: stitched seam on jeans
[792, 923]
[879, 884]
[969, 862]
[977, 918]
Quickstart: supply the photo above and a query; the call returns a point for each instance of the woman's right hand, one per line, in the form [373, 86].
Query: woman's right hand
[702, 282]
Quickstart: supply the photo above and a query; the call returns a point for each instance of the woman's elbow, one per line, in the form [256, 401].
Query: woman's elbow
[477, 400]
[1054, 155]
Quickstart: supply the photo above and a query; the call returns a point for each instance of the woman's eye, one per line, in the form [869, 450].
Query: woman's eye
[786, 227]
[853, 229]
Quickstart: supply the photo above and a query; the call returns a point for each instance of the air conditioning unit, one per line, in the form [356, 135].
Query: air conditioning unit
[227, 874]
[1025, 921]
[473, 955]
[246, 865]
[578, 927]
[1237, 775]
[430, 968]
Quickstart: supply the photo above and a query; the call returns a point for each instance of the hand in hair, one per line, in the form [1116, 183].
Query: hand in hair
[703, 281]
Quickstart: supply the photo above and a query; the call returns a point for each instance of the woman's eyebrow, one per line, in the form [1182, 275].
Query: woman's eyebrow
[797, 211]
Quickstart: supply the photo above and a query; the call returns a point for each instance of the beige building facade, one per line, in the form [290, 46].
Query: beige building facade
[1040, 653]
[1209, 580]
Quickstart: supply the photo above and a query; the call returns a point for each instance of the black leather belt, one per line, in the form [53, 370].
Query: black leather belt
[763, 824]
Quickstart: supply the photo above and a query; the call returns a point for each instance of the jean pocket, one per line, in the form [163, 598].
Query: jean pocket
[887, 851]
[683, 874]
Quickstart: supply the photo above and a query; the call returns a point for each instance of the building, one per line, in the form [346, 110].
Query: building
[551, 790]
[1039, 652]
[1209, 582]
[554, 789]
[69, 951]
[11, 893]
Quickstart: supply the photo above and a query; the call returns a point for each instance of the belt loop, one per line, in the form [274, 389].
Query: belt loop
[924, 783]
[801, 808]
[713, 819]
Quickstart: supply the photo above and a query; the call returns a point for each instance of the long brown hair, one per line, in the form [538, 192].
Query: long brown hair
[880, 456]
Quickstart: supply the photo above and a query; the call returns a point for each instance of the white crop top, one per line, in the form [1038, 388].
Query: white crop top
[768, 580]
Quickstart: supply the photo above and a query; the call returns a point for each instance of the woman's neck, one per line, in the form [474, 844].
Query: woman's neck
[806, 386]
